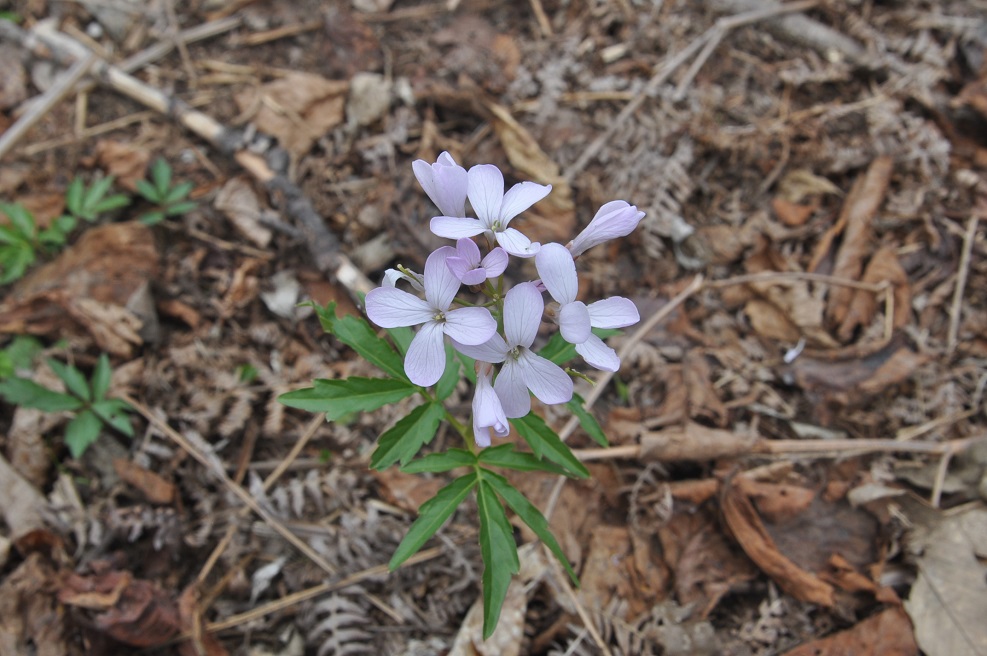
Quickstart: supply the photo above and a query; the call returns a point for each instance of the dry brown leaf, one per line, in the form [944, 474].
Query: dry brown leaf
[13, 79]
[154, 488]
[44, 207]
[31, 619]
[857, 377]
[125, 161]
[889, 633]
[750, 532]
[24, 506]
[778, 502]
[609, 571]
[703, 401]
[882, 268]
[297, 109]
[406, 491]
[238, 201]
[693, 442]
[790, 213]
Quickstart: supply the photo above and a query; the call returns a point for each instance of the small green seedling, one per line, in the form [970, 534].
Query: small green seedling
[87, 399]
[88, 203]
[21, 240]
[169, 200]
[19, 355]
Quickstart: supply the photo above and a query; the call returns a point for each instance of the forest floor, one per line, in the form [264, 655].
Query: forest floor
[798, 442]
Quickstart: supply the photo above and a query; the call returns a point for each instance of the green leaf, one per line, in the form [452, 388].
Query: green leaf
[22, 351]
[151, 218]
[530, 515]
[587, 420]
[113, 412]
[148, 191]
[402, 337]
[546, 444]
[177, 193]
[15, 259]
[499, 552]
[114, 202]
[441, 462]
[359, 336]
[81, 432]
[405, 438]
[431, 516]
[6, 365]
[27, 393]
[21, 220]
[161, 176]
[72, 377]
[469, 367]
[506, 456]
[74, 196]
[95, 194]
[101, 377]
[337, 398]
[450, 377]
[180, 208]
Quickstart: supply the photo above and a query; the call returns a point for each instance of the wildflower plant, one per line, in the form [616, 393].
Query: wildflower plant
[472, 327]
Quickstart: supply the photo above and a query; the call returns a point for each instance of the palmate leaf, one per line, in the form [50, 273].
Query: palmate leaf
[441, 462]
[359, 336]
[546, 444]
[75, 382]
[431, 516]
[101, 378]
[499, 553]
[530, 515]
[587, 421]
[27, 393]
[507, 457]
[405, 438]
[337, 398]
[82, 431]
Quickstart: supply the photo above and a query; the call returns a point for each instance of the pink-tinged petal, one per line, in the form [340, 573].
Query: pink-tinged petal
[493, 350]
[495, 262]
[441, 285]
[544, 378]
[523, 307]
[445, 159]
[614, 219]
[613, 312]
[451, 227]
[558, 272]
[519, 198]
[389, 307]
[486, 191]
[450, 190]
[488, 413]
[511, 389]
[597, 354]
[426, 178]
[426, 358]
[465, 273]
[470, 325]
[574, 322]
[475, 277]
[392, 276]
[516, 244]
[467, 249]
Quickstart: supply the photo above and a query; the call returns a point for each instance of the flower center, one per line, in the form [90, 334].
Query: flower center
[515, 352]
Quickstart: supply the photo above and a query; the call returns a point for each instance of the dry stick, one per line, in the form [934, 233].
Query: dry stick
[956, 308]
[543, 23]
[45, 103]
[322, 244]
[669, 66]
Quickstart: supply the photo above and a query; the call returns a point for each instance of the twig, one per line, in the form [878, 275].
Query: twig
[562, 580]
[956, 308]
[541, 17]
[780, 277]
[47, 101]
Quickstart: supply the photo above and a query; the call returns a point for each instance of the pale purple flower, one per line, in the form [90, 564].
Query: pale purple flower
[615, 219]
[488, 413]
[467, 266]
[392, 276]
[523, 369]
[558, 274]
[494, 210]
[389, 307]
[445, 182]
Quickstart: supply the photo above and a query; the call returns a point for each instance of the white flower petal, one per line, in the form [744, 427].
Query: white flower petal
[615, 219]
[574, 322]
[493, 350]
[426, 358]
[512, 390]
[488, 413]
[613, 312]
[389, 307]
[597, 354]
[426, 178]
[558, 272]
[495, 262]
[486, 191]
[519, 198]
[450, 189]
[467, 249]
[470, 325]
[441, 284]
[523, 307]
[451, 227]
[545, 379]
[516, 244]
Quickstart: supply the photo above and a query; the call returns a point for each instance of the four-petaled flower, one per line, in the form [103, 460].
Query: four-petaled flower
[488, 413]
[558, 273]
[389, 307]
[494, 210]
[467, 266]
[445, 182]
[615, 219]
[522, 369]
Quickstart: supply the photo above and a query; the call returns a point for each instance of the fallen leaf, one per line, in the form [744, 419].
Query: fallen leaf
[703, 401]
[693, 442]
[297, 109]
[239, 203]
[369, 98]
[889, 633]
[406, 491]
[31, 619]
[790, 213]
[152, 486]
[882, 268]
[799, 184]
[24, 506]
[13, 79]
[947, 601]
[770, 321]
[609, 572]
[125, 161]
[44, 207]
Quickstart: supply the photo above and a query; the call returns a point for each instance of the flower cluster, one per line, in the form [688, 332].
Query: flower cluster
[499, 330]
